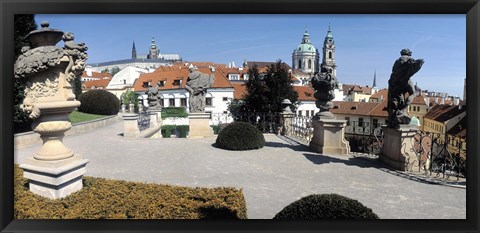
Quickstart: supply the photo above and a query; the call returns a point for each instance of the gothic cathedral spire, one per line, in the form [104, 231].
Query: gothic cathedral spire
[134, 51]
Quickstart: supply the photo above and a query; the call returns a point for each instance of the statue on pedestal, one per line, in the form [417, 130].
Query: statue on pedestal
[153, 98]
[324, 84]
[399, 85]
[197, 85]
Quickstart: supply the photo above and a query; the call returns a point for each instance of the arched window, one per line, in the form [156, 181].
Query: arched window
[330, 54]
[299, 64]
[309, 63]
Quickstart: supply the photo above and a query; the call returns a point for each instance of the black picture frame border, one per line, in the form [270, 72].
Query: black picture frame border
[10, 7]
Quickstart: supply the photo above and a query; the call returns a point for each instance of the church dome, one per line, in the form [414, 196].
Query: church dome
[306, 48]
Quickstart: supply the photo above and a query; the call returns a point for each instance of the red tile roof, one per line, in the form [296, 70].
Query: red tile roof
[179, 73]
[97, 75]
[442, 112]
[353, 108]
[97, 84]
[239, 90]
[305, 93]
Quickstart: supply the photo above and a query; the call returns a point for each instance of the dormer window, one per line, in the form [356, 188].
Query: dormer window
[160, 83]
[234, 77]
[146, 84]
[177, 82]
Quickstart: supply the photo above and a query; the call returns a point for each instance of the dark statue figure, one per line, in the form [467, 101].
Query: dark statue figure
[197, 85]
[153, 99]
[324, 84]
[399, 85]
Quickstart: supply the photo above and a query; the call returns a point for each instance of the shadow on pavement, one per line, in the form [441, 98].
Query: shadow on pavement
[350, 161]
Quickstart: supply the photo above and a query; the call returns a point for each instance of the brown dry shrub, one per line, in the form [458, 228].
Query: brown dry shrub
[115, 199]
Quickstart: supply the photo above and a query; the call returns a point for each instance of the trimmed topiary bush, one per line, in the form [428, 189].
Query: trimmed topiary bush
[240, 136]
[183, 129]
[325, 206]
[99, 102]
[167, 130]
[116, 199]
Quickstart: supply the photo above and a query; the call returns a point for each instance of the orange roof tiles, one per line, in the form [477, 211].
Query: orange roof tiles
[239, 90]
[101, 83]
[305, 93]
[97, 75]
[442, 112]
[353, 108]
[170, 75]
[380, 110]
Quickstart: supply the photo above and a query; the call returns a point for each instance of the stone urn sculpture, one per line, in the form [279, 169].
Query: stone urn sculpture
[54, 171]
[329, 133]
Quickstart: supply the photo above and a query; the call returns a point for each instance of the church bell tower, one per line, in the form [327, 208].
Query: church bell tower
[329, 52]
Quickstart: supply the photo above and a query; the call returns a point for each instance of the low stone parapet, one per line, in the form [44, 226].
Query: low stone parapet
[22, 140]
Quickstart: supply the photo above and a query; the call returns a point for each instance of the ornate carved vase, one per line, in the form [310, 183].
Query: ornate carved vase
[49, 72]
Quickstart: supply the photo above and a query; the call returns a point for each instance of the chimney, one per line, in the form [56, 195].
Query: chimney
[456, 101]
[88, 71]
[436, 100]
[442, 100]
[427, 100]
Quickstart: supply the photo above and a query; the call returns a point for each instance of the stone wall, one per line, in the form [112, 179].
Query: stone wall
[22, 140]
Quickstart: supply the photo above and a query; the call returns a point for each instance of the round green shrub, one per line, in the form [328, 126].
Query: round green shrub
[240, 136]
[167, 130]
[99, 102]
[325, 206]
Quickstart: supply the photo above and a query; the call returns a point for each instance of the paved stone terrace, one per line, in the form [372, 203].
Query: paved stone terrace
[271, 177]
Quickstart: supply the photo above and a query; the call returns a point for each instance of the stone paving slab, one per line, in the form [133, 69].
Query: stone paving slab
[271, 177]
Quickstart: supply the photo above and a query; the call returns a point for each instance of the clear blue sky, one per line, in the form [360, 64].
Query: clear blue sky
[364, 43]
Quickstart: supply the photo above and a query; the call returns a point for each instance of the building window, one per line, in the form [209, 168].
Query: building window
[145, 84]
[162, 102]
[124, 81]
[348, 120]
[176, 82]
[299, 64]
[375, 123]
[300, 112]
[172, 102]
[183, 102]
[245, 76]
[311, 112]
[208, 101]
[309, 64]
[161, 83]
[360, 122]
[330, 54]
[307, 113]
[225, 98]
[234, 77]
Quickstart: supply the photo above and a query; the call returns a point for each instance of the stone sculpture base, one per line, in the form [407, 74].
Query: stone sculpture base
[55, 179]
[199, 125]
[397, 147]
[329, 136]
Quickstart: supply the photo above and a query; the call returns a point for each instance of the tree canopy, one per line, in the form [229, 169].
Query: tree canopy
[266, 91]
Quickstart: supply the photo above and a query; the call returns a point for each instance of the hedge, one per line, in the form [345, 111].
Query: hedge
[325, 206]
[114, 199]
[174, 112]
[99, 102]
[240, 136]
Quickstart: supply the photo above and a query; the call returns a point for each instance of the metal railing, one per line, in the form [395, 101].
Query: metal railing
[266, 122]
[437, 155]
[143, 121]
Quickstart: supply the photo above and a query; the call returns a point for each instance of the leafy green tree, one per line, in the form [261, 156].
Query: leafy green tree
[114, 70]
[105, 70]
[266, 92]
[23, 24]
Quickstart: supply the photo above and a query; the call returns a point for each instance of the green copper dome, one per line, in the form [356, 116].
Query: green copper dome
[306, 48]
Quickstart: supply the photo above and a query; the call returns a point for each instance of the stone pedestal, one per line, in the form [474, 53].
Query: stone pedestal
[397, 151]
[130, 126]
[131, 108]
[200, 125]
[286, 123]
[54, 171]
[329, 136]
[55, 179]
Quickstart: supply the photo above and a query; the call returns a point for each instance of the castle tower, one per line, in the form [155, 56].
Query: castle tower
[306, 57]
[153, 54]
[134, 51]
[329, 52]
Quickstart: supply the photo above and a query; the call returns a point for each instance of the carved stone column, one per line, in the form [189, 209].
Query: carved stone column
[54, 171]
[329, 136]
[397, 150]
